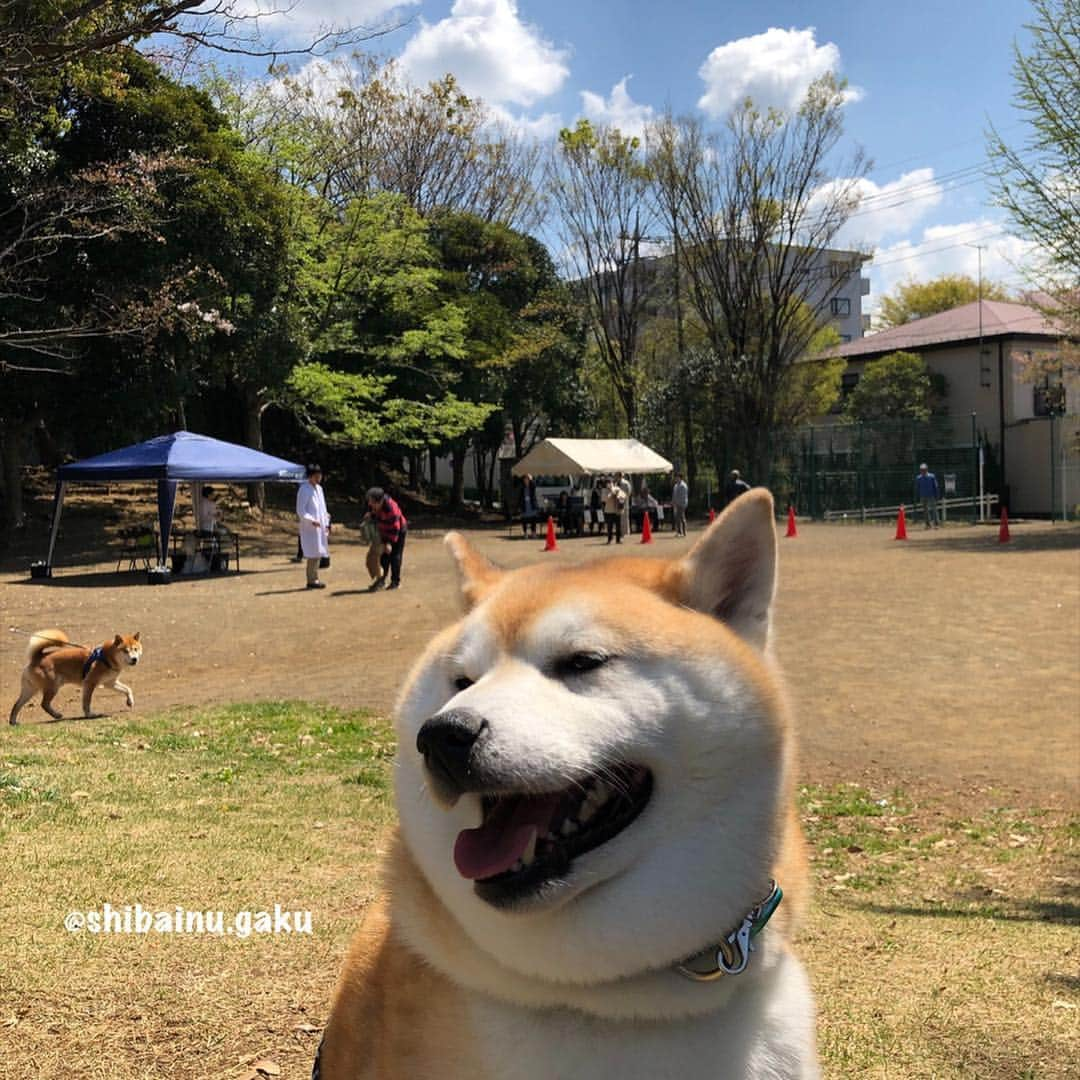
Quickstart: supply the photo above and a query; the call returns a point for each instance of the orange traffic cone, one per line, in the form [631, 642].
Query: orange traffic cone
[646, 528]
[712, 515]
[549, 543]
[1003, 530]
[791, 529]
[901, 526]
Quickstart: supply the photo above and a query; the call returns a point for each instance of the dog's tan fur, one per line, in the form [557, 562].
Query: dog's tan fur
[422, 995]
[52, 662]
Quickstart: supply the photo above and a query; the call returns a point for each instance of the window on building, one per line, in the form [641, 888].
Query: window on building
[1049, 399]
[841, 305]
[845, 338]
[848, 381]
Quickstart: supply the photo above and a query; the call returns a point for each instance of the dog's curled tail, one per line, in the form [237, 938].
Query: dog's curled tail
[40, 640]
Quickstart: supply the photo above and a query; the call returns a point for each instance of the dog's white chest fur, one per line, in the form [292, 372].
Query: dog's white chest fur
[766, 1033]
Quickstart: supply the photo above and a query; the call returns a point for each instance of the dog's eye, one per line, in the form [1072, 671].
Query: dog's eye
[462, 682]
[580, 662]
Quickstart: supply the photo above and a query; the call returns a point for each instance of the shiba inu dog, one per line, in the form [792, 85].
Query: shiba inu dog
[595, 790]
[52, 662]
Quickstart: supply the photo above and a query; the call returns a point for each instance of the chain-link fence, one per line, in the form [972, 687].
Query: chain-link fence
[852, 468]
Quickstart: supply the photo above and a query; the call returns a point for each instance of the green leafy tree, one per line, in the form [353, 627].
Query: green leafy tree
[523, 335]
[811, 387]
[109, 260]
[1038, 180]
[895, 386]
[390, 342]
[917, 299]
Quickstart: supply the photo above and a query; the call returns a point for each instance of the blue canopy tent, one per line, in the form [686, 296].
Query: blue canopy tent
[169, 459]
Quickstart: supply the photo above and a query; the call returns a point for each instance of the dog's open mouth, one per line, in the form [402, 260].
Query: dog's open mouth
[527, 840]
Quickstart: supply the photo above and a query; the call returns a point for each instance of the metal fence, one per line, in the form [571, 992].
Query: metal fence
[850, 468]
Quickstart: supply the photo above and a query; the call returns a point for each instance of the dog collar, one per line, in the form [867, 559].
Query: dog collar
[731, 954]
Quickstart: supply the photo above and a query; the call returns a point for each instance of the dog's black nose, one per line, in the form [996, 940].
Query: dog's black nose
[447, 742]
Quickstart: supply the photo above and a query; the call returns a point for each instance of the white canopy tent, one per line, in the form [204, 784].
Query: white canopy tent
[590, 457]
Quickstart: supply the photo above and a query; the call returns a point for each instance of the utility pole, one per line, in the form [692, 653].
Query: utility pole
[982, 369]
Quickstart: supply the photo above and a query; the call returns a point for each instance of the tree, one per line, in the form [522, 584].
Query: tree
[759, 209]
[811, 387]
[600, 183]
[917, 299]
[390, 344]
[38, 39]
[345, 130]
[98, 246]
[895, 386]
[1038, 181]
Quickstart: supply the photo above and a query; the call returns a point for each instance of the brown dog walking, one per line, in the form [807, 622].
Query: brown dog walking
[53, 661]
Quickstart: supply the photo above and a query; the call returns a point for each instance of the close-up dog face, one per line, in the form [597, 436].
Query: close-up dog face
[127, 649]
[592, 751]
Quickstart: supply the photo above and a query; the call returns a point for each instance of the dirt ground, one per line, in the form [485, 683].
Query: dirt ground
[949, 662]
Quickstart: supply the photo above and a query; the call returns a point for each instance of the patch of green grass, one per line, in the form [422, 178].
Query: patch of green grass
[25, 789]
[850, 800]
[233, 809]
[21, 761]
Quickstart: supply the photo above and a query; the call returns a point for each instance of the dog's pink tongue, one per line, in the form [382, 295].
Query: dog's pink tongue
[497, 844]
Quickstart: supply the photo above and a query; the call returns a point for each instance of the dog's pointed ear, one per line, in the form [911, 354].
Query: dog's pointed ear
[478, 575]
[731, 571]
[118, 640]
[136, 635]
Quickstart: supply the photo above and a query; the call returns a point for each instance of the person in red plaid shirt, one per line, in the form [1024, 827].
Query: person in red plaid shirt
[392, 527]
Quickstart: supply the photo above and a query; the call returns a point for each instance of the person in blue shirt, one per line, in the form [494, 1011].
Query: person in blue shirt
[927, 490]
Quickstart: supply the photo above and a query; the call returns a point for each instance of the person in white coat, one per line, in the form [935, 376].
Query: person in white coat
[624, 484]
[314, 525]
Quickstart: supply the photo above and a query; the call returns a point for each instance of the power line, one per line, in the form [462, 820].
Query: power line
[918, 254]
[932, 181]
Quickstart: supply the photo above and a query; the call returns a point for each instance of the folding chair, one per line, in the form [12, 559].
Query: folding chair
[140, 545]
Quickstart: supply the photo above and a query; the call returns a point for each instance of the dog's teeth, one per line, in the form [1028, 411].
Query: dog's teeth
[569, 827]
[587, 810]
[530, 850]
[600, 794]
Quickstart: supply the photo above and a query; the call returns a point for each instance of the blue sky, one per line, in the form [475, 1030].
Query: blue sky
[926, 79]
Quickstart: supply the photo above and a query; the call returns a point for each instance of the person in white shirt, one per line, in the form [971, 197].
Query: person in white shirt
[314, 525]
[209, 514]
[623, 483]
[680, 500]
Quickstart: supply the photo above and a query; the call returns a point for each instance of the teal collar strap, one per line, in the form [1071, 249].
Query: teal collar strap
[731, 954]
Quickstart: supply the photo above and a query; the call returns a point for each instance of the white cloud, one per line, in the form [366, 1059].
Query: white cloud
[294, 17]
[491, 52]
[774, 68]
[617, 110]
[885, 210]
[541, 127]
[944, 249]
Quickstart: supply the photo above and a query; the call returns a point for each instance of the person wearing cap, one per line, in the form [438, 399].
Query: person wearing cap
[927, 490]
[314, 525]
[735, 487]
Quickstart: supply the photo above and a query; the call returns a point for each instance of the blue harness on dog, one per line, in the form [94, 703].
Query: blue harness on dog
[97, 656]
